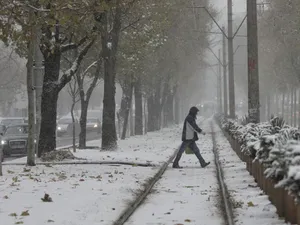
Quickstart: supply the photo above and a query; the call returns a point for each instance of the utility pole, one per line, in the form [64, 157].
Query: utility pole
[230, 38]
[225, 77]
[220, 84]
[230, 63]
[38, 82]
[253, 76]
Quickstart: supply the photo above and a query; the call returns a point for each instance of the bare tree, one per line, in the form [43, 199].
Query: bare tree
[86, 96]
[73, 90]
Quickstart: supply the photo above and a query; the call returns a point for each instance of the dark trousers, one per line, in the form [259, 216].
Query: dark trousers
[193, 146]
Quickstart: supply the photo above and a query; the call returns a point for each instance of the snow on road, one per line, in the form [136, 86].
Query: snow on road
[184, 196]
[251, 205]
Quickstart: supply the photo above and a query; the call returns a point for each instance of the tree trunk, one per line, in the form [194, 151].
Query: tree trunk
[298, 107]
[31, 105]
[170, 105]
[125, 104]
[276, 103]
[282, 106]
[138, 129]
[268, 107]
[73, 126]
[157, 111]
[165, 117]
[47, 140]
[145, 116]
[84, 100]
[295, 107]
[151, 116]
[291, 106]
[109, 135]
[109, 42]
[177, 108]
[131, 119]
[168, 113]
[263, 108]
[1, 157]
[83, 119]
[47, 136]
[127, 111]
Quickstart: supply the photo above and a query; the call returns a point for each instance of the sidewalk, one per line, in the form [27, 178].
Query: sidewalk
[184, 196]
[250, 204]
[191, 195]
[83, 194]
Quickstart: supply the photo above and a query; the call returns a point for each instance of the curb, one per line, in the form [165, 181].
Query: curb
[86, 163]
[228, 213]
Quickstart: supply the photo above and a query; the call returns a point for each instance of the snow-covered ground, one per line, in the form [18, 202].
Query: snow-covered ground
[97, 194]
[83, 194]
[251, 205]
[185, 196]
[154, 148]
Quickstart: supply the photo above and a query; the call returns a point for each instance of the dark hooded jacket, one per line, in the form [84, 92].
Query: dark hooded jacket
[190, 127]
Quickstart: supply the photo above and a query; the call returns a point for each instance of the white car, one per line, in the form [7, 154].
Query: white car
[65, 126]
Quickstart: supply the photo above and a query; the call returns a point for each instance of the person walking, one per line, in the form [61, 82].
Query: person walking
[189, 138]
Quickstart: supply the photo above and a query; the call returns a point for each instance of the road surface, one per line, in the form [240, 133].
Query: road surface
[63, 141]
[67, 140]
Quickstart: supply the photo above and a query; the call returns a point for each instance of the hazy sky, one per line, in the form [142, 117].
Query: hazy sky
[239, 7]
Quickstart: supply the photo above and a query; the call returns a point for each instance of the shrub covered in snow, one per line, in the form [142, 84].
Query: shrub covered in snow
[286, 168]
[274, 144]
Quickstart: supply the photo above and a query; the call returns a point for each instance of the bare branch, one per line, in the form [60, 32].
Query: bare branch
[67, 76]
[131, 24]
[94, 82]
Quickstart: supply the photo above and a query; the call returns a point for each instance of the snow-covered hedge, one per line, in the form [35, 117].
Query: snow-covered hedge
[273, 144]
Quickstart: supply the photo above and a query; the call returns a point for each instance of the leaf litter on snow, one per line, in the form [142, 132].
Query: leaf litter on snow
[99, 192]
[83, 194]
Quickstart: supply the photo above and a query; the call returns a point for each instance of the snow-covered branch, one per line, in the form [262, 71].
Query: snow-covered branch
[67, 76]
[70, 46]
[88, 68]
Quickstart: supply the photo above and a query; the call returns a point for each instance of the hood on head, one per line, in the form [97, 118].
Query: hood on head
[193, 111]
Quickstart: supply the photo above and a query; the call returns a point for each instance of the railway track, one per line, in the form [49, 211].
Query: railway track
[225, 210]
[226, 204]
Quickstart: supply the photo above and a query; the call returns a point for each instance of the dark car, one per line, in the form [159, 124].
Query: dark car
[14, 139]
[93, 124]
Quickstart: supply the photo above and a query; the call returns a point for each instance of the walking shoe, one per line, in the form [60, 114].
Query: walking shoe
[205, 164]
[176, 166]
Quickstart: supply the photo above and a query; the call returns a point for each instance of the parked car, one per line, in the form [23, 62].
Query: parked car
[65, 126]
[93, 124]
[5, 121]
[91, 113]
[14, 139]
